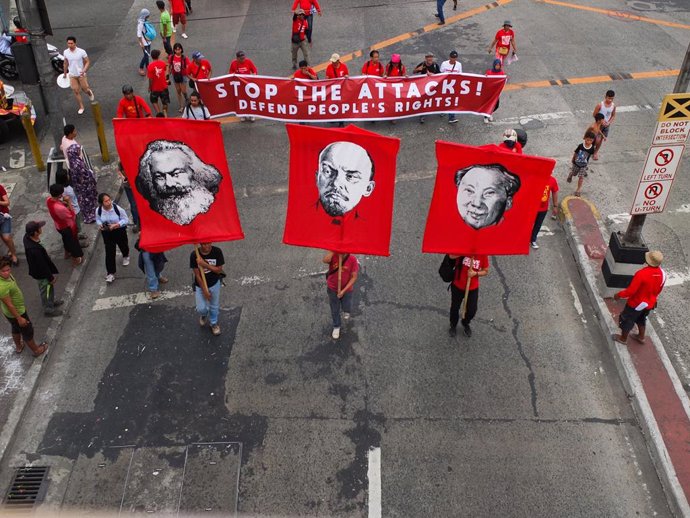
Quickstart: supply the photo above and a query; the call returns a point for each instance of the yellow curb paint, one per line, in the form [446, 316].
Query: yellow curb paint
[565, 210]
[617, 14]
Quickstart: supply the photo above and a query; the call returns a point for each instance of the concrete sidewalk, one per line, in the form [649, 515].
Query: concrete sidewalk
[656, 392]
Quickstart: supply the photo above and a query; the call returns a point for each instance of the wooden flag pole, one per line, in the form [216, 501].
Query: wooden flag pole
[340, 272]
[467, 288]
[201, 270]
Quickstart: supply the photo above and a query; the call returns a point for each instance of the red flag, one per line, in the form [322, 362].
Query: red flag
[179, 174]
[341, 189]
[485, 200]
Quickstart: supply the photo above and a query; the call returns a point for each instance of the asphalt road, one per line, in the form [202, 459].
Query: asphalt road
[526, 418]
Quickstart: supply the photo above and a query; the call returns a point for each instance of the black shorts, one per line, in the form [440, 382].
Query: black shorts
[26, 332]
[630, 316]
[164, 96]
[178, 78]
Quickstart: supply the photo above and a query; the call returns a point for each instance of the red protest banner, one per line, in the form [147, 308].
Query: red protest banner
[354, 98]
[341, 188]
[485, 200]
[179, 174]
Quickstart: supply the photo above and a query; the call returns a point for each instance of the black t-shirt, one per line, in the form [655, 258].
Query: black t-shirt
[433, 68]
[582, 154]
[214, 258]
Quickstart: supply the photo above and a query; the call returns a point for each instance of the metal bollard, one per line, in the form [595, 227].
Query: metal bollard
[100, 129]
[33, 140]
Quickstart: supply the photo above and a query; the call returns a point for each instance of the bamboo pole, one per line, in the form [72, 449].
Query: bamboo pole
[467, 288]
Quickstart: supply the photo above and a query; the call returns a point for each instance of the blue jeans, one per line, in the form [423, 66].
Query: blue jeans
[208, 308]
[439, 9]
[150, 270]
[144, 63]
[132, 205]
[336, 303]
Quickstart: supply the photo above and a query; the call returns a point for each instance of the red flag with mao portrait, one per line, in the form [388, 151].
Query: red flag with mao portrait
[341, 189]
[179, 174]
[485, 200]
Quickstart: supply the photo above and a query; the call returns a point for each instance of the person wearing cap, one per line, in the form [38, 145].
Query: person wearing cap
[373, 67]
[510, 142]
[503, 41]
[132, 106]
[41, 267]
[309, 7]
[242, 64]
[428, 67]
[336, 68]
[452, 66]
[300, 25]
[642, 294]
[199, 68]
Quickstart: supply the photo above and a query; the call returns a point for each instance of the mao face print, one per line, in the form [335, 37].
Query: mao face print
[484, 193]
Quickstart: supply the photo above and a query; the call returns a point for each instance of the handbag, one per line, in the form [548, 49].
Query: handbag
[447, 268]
[503, 51]
[295, 37]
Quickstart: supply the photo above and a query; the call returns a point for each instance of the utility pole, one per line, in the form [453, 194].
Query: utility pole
[30, 15]
[633, 234]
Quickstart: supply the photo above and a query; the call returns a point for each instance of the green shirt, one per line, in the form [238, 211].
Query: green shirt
[10, 287]
[166, 22]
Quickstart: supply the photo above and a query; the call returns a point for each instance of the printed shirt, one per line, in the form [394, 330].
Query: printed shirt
[504, 37]
[301, 75]
[373, 69]
[479, 263]
[549, 188]
[136, 108]
[583, 154]
[332, 72]
[178, 65]
[300, 27]
[3, 192]
[214, 258]
[156, 73]
[202, 70]
[245, 67]
[9, 287]
[644, 288]
[451, 68]
[433, 68]
[350, 267]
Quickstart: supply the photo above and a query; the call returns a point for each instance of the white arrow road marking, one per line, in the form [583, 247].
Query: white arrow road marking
[374, 476]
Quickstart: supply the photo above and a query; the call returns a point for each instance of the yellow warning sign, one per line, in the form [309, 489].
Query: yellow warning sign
[675, 107]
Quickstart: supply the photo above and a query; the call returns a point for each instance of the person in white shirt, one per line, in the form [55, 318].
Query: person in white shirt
[76, 64]
[195, 109]
[452, 66]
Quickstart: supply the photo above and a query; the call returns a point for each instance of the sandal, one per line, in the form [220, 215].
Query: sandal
[41, 349]
[19, 349]
[578, 194]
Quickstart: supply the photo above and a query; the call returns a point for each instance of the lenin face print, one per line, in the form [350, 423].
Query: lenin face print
[176, 182]
[344, 176]
[485, 192]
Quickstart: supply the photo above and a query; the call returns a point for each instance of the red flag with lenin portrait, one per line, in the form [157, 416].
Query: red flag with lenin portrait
[485, 200]
[179, 174]
[341, 189]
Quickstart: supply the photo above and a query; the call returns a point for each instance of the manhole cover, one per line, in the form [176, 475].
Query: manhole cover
[27, 488]
[639, 5]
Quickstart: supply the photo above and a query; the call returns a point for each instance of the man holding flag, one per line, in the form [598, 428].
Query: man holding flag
[340, 279]
[465, 290]
[207, 263]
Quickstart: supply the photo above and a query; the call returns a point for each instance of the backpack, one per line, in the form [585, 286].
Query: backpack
[447, 268]
[149, 32]
[100, 210]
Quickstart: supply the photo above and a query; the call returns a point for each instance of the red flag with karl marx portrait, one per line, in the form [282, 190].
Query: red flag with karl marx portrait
[341, 189]
[485, 200]
[181, 182]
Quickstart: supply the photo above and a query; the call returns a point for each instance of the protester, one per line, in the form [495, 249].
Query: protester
[210, 260]
[166, 28]
[21, 35]
[395, 67]
[65, 220]
[451, 66]
[112, 222]
[152, 264]
[503, 41]
[439, 12]
[608, 109]
[373, 67]
[243, 65]
[463, 272]
[428, 67]
[339, 286]
[6, 226]
[83, 179]
[199, 68]
[309, 7]
[335, 68]
[179, 15]
[178, 64]
[305, 71]
[130, 197]
[580, 161]
[642, 293]
[551, 188]
[495, 70]
[196, 109]
[299, 37]
[14, 309]
[62, 178]
[41, 267]
[158, 83]
[132, 106]
[510, 142]
[143, 38]
[76, 64]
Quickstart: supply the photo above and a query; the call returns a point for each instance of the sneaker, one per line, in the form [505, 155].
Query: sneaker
[441, 23]
[421, 120]
[452, 121]
[215, 329]
[155, 294]
[452, 331]
[467, 329]
[174, 29]
[92, 97]
[135, 229]
[109, 278]
[184, 35]
[125, 261]
[491, 118]
[336, 333]
[486, 120]
[534, 245]
[252, 119]
[162, 280]
[81, 110]
[202, 321]
[346, 316]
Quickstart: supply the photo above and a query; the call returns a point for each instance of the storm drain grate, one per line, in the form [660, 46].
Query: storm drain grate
[27, 488]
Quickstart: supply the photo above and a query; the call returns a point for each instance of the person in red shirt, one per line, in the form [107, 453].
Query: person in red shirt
[395, 67]
[373, 67]
[21, 35]
[551, 188]
[340, 279]
[177, 65]
[305, 71]
[132, 106]
[336, 68]
[504, 39]
[199, 68]
[158, 82]
[299, 38]
[510, 142]
[179, 15]
[309, 7]
[242, 64]
[65, 219]
[467, 273]
[642, 293]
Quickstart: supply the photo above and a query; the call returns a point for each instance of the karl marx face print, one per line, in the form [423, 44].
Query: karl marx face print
[344, 176]
[485, 192]
[176, 182]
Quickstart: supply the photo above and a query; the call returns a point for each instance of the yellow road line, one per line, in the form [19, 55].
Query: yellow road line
[591, 79]
[617, 14]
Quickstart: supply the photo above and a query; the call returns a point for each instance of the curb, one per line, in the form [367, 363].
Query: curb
[626, 370]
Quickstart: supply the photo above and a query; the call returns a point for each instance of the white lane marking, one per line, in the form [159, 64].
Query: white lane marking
[374, 476]
[12, 370]
[123, 301]
[577, 303]
[684, 208]
[677, 278]
[251, 280]
[524, 119]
